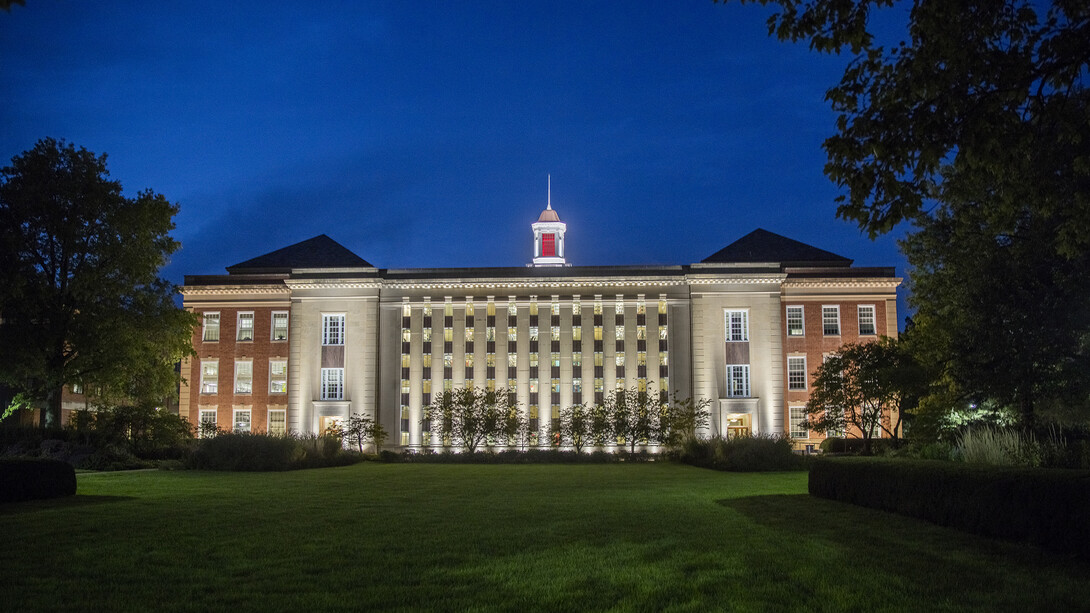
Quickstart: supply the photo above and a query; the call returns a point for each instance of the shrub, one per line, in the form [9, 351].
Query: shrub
[264, 452]
[836, 444]
[998, 447]
[35, 478]
[515, 456]
[1035, 505]
[741, 453]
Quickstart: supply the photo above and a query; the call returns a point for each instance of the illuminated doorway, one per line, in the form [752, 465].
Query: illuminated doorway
[738, 425]
[325, 424]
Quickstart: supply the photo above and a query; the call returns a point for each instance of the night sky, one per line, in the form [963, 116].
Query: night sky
[420, 134]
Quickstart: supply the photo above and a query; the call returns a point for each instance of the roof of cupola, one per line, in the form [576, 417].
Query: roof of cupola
[548, 215]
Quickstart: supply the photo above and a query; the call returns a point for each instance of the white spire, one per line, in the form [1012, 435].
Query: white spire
[549, 205]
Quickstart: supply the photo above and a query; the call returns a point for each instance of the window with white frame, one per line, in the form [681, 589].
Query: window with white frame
[796, 373]
[797, 428]
[278, 376]
[210, 372]
[211, 327]
[242, 420]
[333, 329]
[278, 422]
[245, 327]
[280, 326]
[830, 320]
[332, 384]
[796, 325]
[208, 422]
[737, 326]
[866, 320]
[738, 380]
[244, 376]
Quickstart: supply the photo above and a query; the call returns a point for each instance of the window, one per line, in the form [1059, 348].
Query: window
[866, 320]
[278, 376]
[279, 326]
[242, 420]
[278, 423]
[796, 373]
[554, 333]
[795, 325]
[577, 333]
[618, 332]
[244, 377]
[210, 370]
[830, 320]
[208, 422]
[332, 384]
[333, 330]
[737, 326]
[211, 327]
[548, 245]
[245, 327]
[738, 381]
[797, 428]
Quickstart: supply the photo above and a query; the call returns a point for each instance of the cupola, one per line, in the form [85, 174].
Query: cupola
[549, 235]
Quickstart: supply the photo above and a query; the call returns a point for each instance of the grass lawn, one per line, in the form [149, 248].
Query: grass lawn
[533, 537]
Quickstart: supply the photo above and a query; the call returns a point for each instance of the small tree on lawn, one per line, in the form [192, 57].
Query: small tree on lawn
[601, 428]
[576, 426]
[632, 415]
[362, 429]
[470, 416]
[679, 419]
[857, 387]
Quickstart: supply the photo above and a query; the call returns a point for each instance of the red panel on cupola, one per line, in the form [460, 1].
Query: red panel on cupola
[548, 245]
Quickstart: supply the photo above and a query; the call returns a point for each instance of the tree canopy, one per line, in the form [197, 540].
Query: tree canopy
[80, 296]
[971, 128]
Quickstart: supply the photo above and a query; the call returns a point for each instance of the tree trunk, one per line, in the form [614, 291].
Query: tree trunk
[1025, 402]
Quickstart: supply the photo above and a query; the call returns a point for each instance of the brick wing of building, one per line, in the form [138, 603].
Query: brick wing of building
[301, 337]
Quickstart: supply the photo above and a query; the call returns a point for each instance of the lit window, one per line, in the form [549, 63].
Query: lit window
[512, 360]
[577, 333]
[210, 370]
[242, 420]
[211, 327]
[406, 336]
[280, 326]
[555, 333]
[245, 327]
[796, 373]
[620, 359]
[533, 333]
[548, 245]
[737, 326]
[244, 377]
[278, 376]
[208, 420]
[738, 380]
[866, 320]
[332, 384]
[448, 334]
[554, 359]
[795, 325]
[797, 428]
[830, 320]
[619, 332]
[469, 360]
[278, 423]
[469, 335]
[332, 329]
[426, 335]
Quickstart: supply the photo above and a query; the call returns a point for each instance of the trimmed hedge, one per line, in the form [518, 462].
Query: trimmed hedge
[245, 451]
[1047, 507]
[515, 456]
[35, 478]
[740, 453]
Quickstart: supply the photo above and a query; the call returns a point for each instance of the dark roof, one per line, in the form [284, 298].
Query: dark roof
[318, 252]
[761, 245]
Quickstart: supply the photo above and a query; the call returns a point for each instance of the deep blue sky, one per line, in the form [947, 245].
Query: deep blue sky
[420, 133]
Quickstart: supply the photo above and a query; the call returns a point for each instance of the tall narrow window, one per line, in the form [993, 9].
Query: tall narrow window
[210, 371]
[796, 373]
[738, 380]
[278, 376]
[242, 420]
[245, 327]
[208, 422]
[797, 428]
[332, 329]
[279, 326]
[332, 384]
[244, 377]
[737, 326]
[548, 245]
[278, 423]
[866, 320]
[830, 320]
[211, 327]
[795, 321]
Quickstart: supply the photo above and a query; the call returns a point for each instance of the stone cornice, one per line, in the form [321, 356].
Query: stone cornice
[842, 283]
[232, 290]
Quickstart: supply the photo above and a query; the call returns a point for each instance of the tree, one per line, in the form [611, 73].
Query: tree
[857, 387]
[362, 429]
[575, 426]
[471, 416]
[972, 129]
[633, 415]
[679, 419]
[80, 296]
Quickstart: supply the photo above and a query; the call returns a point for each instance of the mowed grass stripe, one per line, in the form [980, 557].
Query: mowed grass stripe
[646, 537]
